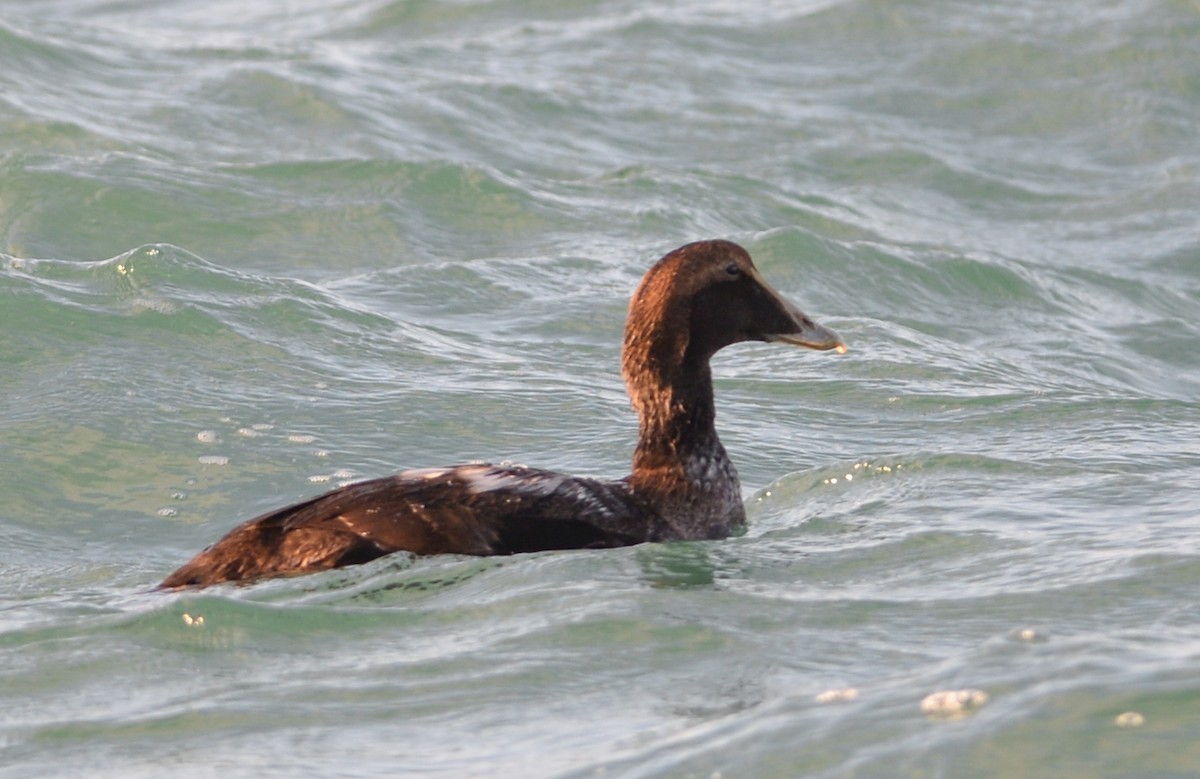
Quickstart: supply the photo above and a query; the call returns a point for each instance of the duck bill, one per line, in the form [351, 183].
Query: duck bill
[803, 331]
[811, 335]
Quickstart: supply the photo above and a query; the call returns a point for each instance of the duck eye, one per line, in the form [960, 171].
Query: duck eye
[733, 270]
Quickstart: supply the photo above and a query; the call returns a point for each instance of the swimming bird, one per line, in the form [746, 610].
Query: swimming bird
[693, 302]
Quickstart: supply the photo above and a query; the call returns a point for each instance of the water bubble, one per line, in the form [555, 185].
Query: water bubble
[953, 704]
[1130, 719]
[837, 696]
[207, 437]
[212, 459]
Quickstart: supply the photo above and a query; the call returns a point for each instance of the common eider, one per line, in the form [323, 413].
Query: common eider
[693, 302]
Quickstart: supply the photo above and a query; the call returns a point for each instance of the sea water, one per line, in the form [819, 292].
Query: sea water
[250, 251]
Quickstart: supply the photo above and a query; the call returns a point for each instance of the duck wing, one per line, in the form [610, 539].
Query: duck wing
[466, 509]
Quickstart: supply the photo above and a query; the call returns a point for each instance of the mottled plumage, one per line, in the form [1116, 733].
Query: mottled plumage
[691, 303]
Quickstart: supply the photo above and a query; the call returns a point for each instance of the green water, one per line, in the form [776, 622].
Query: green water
[249, 251]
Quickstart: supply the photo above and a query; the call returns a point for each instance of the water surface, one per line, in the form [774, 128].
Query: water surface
[249, 251]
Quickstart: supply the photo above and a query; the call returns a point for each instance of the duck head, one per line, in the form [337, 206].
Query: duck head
[701, 298]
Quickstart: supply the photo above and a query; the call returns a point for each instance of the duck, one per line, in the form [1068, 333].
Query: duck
[690, 304]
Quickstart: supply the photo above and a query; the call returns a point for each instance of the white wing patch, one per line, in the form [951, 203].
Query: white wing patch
[487, 478]
[426, 474]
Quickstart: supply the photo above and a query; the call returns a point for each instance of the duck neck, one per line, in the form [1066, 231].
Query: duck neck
[679, 465]
[676, 424]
